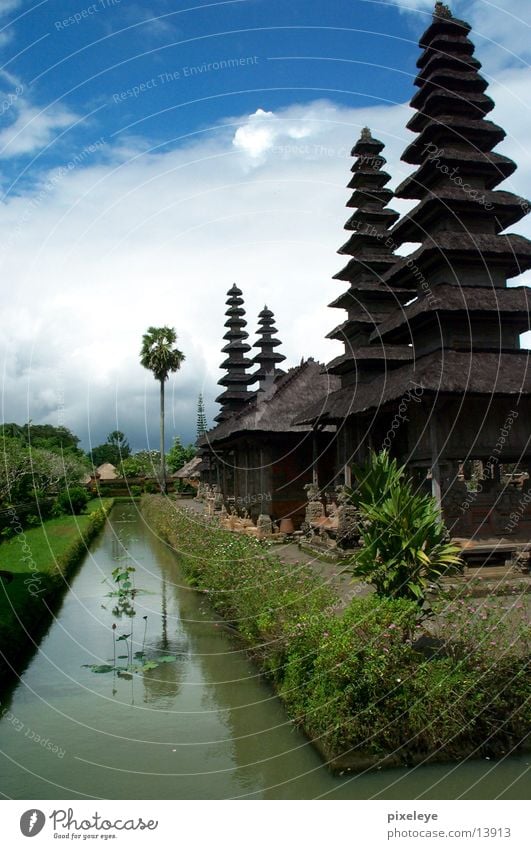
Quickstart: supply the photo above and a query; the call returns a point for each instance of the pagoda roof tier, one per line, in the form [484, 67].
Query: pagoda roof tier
[235, 316]
[365, 177]
[361, 241]
[273, 343]
[445, 62]
[445, 298]
[453, 129]
[449, 45]
[444, 25]
[236, 382]
[369, 163]
[233, 394]
[231, 363]
[370, 354]
[444, 102]
[234, 302]
[444, 372]
[236, 329]
[269, 357]
[370, 198]
[444, 249]
[504, 209]
[447, 79]
[492, 166]
[378, 264]
[347, 329]
[385, 217]
[236, 345]
[371, 291]
[367, 145]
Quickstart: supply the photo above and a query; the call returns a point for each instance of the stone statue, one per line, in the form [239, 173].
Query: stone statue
[349, 519]
[264, 524]
[314, 509]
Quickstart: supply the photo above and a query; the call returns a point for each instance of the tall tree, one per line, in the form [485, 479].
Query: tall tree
[118, 440]
[160, 356]
[201, 417]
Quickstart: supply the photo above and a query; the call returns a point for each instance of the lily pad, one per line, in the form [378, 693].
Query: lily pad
[98, 668]
[168, 658]
[151, 664]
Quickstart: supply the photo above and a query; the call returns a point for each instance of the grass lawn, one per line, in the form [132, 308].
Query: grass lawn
[47, 543]
[37, 561]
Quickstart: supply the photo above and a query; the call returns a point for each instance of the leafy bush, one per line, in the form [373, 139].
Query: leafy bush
[135, 491]
[73, 500]
[405, 545]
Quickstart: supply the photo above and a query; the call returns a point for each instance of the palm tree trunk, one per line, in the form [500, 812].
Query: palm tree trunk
[162, 451]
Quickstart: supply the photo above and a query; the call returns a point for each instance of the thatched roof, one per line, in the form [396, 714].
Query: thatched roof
[438, 373]
[370, 354]
[190, 469]
[454, 299]
[509, 250]
[483, 134]
[274, 410]
[495, 166]
[107, 472]
[507, 208]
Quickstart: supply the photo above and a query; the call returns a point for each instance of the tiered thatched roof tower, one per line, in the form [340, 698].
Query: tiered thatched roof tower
[267, 358]
[368, 301]
[236, 394]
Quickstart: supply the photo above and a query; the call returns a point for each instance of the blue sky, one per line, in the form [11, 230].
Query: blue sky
[137, 187]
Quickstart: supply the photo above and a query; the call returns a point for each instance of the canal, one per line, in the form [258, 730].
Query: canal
[202, 725]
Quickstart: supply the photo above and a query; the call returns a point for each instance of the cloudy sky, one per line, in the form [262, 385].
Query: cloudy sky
[153, 153]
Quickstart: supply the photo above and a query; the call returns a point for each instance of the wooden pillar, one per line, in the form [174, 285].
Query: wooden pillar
[261, 461]
[435, 467]
[315, 456]
[347, 471]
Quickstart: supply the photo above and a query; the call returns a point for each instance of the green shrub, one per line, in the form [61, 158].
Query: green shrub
[405, 545]
[73, 500]
[135, 491]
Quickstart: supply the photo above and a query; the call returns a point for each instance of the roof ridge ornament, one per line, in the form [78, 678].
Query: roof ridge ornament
[366, 134]
[442, 10]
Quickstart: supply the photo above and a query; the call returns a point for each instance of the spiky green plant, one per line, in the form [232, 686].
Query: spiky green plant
[405, 544]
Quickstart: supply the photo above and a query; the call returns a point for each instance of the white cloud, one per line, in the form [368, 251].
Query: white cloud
[33, 128]
[9, 5]
[413, 5]
[265, 130]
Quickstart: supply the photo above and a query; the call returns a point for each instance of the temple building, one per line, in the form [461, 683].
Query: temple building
[256, 457]
[453, 385]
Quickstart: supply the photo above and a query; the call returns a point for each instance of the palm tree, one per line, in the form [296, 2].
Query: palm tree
[159, 355]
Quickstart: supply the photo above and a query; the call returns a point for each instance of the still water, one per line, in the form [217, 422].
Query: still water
[202, 727]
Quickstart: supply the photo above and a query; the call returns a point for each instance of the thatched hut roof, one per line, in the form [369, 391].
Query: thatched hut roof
[189, 470]
[107, 472]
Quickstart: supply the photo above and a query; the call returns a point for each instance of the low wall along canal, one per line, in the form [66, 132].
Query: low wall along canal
[203, 725]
